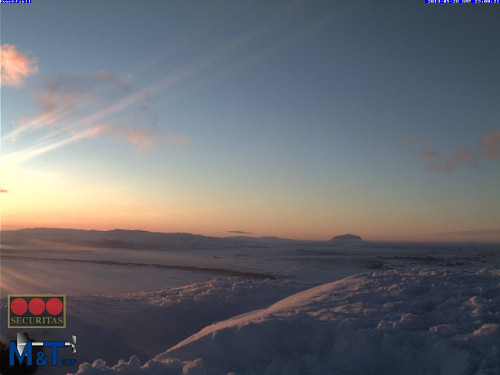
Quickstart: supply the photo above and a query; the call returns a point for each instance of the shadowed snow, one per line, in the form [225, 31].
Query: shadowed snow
[397, 322]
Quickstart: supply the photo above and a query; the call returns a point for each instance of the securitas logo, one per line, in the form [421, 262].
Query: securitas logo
[37, 311]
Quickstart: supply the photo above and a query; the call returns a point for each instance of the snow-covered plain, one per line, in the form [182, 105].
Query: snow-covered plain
[153, 304]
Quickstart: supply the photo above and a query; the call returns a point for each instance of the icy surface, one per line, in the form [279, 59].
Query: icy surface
[151, 303]
[391, 322]
[145, 323]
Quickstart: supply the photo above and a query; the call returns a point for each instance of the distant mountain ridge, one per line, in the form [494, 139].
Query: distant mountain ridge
[140, 239]
[130, 239]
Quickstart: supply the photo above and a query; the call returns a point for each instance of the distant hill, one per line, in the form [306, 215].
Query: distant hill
[128, 239]
[346, 238]
[139, 239]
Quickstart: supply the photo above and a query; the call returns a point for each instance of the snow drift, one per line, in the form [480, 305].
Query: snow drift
[391, 322]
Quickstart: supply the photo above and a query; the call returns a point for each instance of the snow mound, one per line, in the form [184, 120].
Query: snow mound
[392, 322]
[217, 292]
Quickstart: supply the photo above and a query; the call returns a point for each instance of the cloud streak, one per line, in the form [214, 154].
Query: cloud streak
[466, 157]
[52, 109]
[148, 138]
[73, 107]
[70, 112]
[18, 157]
[64, 98]
[490, 146]
[435, 161]
[489, 149]
[15, 66]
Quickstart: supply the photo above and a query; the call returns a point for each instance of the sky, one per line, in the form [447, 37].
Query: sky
[298, 119]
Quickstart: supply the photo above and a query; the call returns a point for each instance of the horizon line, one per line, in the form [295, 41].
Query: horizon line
[363, 240]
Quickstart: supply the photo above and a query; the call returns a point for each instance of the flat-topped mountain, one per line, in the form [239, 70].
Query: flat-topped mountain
[346, 238]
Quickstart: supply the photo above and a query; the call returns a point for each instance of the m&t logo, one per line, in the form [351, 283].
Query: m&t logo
[24, 349]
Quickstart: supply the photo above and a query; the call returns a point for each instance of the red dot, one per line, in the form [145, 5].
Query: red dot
[37, 306]
[19, 306]
[54, 306]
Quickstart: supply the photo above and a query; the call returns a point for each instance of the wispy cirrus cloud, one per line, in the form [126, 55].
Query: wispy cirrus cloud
[3, 191]
[18, 157]
[69, 113]
[466, 157]
[148, 138]
[65, 98]
[435, 161]
[142, 131]
[78, 106]
[141, 138]
[15, 66]
[424, 151]
[489, 148]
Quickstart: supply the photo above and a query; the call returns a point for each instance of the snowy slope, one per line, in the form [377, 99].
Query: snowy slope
[392, 322]
[146, 323]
